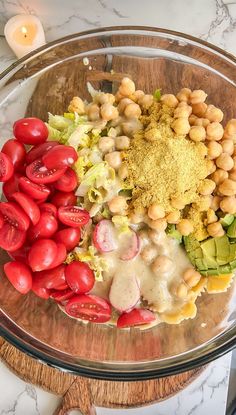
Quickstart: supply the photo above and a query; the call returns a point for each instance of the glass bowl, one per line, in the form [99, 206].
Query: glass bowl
[45, 81]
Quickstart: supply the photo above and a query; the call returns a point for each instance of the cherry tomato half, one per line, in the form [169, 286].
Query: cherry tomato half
[19, 275]
[135, 317]
[40, 291]
[38, 151]
[11, 238]
[69, 236]
[28, 205]
[14, 215]
[44, 228]
[38, 173]
[6, 167]
[42, 254]
[79, 277]
[30, 131]
[73, 216]
[59, 157]
[63, 199]
[15, 151]
[67, 182]
[35, 190]
[11, 186]
[89, 307]
[48, 207]
[50, 278]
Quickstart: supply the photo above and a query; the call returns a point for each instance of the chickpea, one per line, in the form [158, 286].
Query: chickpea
[93, 112]
[117, 205]
[211, 167]
[215, 230]
[230, 130]
[202, 149]
[155, 236]
[192, 119]
[143, 234]
[181, 126]
[162, 265]
[184, 94]
[158, 224]
[199, 109]
[181, 291]
[203, 203]
[182, 111]
[113, 159]
[197, 133]
[211, 216]
[102, 98]
[228, 187]
[191, 277]
[219, 176]
[197, 96]
[132, 110]
[214, 150]
[118, 96]
[140, 210]
[149, 253]
[156, 211]
[127, 87]
[146, 101]
[122, 142]
[185, 227]
[228, 204]
[77, 105]
[106, 144]
[215, 204]
[123, 172]
[234, 153]
[203, 122]
[225, 162]
[206, 187]
[136, 218]
[232, 175]
[173, 217]
[213, 114]
[137, 95]
[214, 131]
[131, 127]
[228, 146]
[123, 104]
[177, 203]
[170, 100]
[112, 132]
[109, 112]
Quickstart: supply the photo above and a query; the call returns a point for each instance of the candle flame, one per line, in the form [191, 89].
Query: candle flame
[24, 30]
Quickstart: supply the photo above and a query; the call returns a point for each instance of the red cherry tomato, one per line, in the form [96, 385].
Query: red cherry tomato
[49, 208]
[40, 291]
[6, 167]
[20, 254]
[73, 216]
[37, 152]
[30, 131]
[38, 173]
[69, 236]
[44, 228]
[59, 157]
[42, 254]
[50, 278]
[28, 205]
[60, 256]
[15, 151]
[36, 191]
[67, 182]
[11, 238]
[63, 287]
[89, 307]
[62, 296]
[19, 275]
[14, 215]
[63, 199]
[1, 221]
[11, 186]
[79, 277]
[135, 317]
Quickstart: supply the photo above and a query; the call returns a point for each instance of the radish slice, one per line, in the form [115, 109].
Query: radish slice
[104, 236]
[130, 246]
[124, 292]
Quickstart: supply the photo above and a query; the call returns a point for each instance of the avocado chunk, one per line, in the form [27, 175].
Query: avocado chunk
[222, 250]
[191, 243]
[201, 264]
[227, 220]
[231, 231]
[233, 265]
[232, 255]
[173, 233]
[209, 247]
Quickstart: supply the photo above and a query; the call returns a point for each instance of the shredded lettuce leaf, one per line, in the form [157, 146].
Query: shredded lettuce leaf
[121, 223]
[106, 213]
[98, 175]
[157, 94]
[97, 195]
[96, 262]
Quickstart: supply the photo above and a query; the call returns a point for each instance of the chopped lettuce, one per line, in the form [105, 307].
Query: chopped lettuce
[59, 122]
[97, 195]
[157, 94]
[97, 176]
[96, 262]
[121, 223]
[106, 213]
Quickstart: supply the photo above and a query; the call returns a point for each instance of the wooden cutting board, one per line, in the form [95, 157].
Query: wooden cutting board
[83, 393]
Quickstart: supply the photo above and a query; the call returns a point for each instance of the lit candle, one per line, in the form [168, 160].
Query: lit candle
[24, 33]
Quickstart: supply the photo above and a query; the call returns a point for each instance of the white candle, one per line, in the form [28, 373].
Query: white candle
[24, 33]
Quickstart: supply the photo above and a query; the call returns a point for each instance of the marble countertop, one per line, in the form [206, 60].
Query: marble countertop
[212, 20]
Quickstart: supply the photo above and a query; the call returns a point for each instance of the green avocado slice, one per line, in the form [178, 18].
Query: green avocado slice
[231, 231]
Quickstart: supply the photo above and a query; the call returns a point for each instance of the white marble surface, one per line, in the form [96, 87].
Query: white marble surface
[212, 20]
